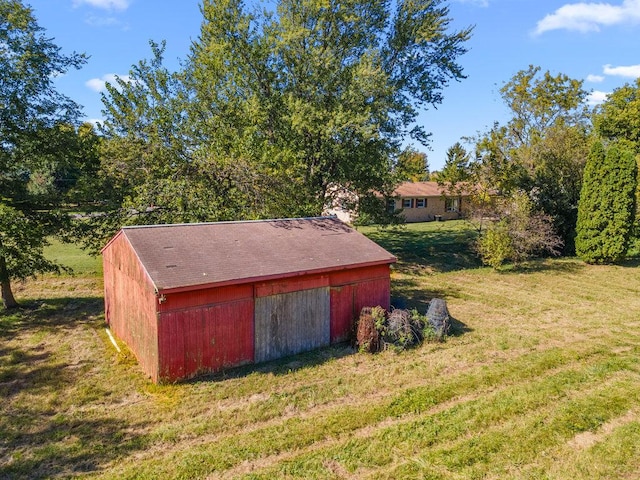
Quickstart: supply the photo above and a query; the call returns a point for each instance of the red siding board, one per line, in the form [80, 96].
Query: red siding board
[295, 284]
[373, 293]
[355, 275]
[130, 303]
[206, 339]
[342, 313]
[205, 296]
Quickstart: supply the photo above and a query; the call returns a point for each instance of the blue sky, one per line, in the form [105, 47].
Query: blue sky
[598, 42]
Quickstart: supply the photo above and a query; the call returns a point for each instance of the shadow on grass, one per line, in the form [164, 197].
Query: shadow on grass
[44, 431]
[50, 313]
[442, 250]
[409, 293]
[62, 447]
[545, 265]
[283, 366]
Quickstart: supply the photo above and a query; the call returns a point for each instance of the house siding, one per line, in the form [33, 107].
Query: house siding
[436, 206]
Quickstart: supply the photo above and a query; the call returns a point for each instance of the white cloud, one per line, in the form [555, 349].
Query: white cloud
[629, 71]
[595, 78]
[597, 97]
[97, 21]
[589, 17]
[98, 84]
[104, 4]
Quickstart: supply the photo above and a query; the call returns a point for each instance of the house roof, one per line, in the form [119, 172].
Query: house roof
[185, 256]
[420, 189]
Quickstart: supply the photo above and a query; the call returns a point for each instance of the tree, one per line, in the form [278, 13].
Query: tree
[35, 120]
[520, 234]
[457, 175]
[273, 112]
[412, 166]
[618, 118]
[543, 148]
[607, 205]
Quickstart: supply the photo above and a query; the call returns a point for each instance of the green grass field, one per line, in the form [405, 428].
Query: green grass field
[541, 379]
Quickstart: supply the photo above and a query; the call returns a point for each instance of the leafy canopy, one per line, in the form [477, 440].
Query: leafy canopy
[38, 140]
[543, 147]
[275, 111]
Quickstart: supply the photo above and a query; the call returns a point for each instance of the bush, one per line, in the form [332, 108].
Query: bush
[494, 246]
[521, 233]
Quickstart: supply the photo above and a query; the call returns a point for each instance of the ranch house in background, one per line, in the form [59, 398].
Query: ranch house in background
[426, 201]
[418, 202]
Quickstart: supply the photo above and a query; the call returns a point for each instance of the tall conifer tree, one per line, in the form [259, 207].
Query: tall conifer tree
[607, 205]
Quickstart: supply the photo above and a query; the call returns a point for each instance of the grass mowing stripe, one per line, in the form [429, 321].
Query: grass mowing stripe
[520, 442]
[617, 455]
[386, 443]
[229, 451]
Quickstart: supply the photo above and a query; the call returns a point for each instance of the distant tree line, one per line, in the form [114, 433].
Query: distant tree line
[554, 195]
[270, 114]
[273, 113]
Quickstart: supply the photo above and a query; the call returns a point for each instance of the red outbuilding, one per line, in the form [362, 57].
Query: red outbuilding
[196, 298]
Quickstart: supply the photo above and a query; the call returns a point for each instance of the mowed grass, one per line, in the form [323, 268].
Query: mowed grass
[541, 379]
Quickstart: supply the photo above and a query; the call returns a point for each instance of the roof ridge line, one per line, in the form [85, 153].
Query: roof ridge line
[228, 222]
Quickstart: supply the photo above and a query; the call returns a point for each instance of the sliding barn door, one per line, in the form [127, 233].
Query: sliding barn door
[291, 323]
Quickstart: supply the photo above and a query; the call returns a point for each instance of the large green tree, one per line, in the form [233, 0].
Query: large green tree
[273, 112]
[607, 205]
[542, 149]
[411, 166]
[36, 125]
[618, 118]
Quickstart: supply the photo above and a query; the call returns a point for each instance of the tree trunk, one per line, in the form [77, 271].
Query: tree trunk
[8, 300]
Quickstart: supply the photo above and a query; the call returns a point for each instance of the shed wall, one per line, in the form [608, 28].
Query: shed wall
[353, 289]
[290, 323]
[130, 303]
[205, 330]
[205, 339]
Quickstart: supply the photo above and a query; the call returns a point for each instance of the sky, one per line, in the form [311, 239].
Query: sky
[597, 42]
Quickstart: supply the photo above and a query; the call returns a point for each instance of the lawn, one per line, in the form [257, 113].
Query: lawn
[541, 379]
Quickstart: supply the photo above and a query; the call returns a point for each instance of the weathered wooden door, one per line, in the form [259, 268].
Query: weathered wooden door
[291, 323]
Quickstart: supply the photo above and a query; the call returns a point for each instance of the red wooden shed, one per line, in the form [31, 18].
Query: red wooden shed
[195, 298]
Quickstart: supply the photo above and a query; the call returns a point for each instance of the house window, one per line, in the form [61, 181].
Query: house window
[391, 205]
[406, 203]
[452, 204]
[421, 202]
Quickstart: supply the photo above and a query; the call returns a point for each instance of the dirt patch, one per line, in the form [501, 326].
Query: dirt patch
[586, 440]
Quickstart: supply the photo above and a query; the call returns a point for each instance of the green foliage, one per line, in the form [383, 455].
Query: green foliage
[275, 109]
[495, 246]
[457, 171]
[618, 118]
[520, 234]
[543, 148]
[607, 205]
[412, 166]
[42, 154]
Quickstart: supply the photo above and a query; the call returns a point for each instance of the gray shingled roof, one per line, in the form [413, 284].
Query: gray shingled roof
[188, 255]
